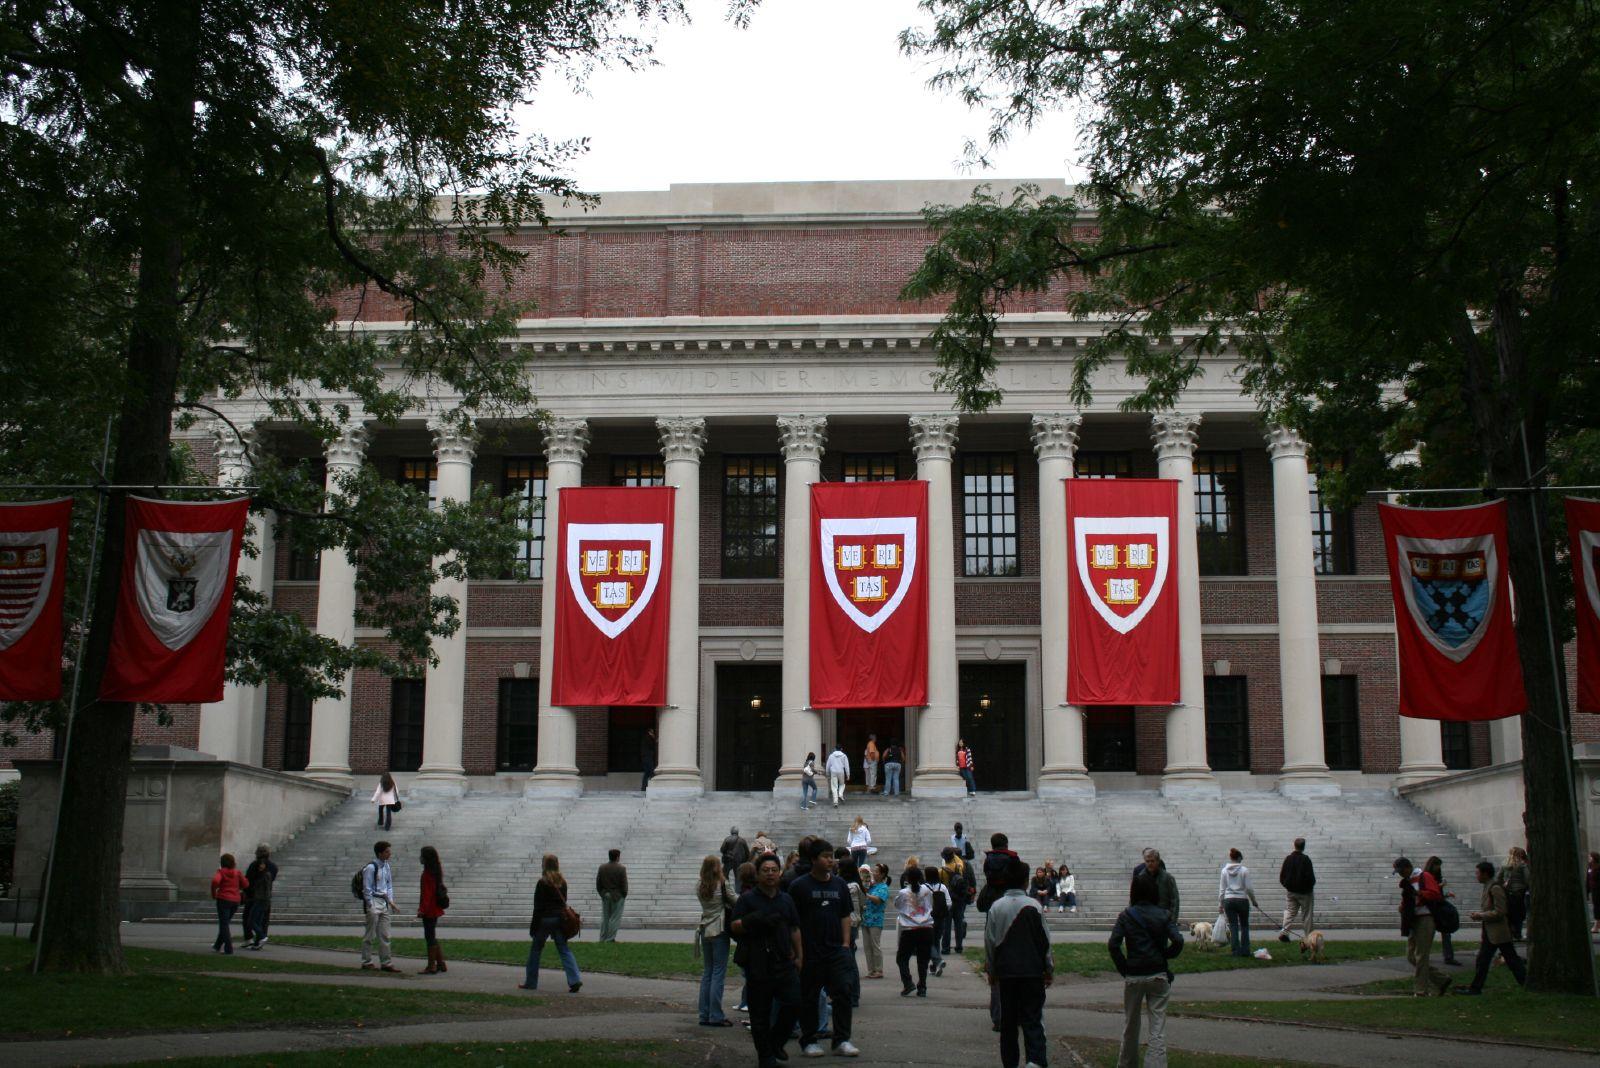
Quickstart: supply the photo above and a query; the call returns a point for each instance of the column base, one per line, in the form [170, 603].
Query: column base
[675, 782]
[1310, 783]
[1069, 784]
[938, 782]
[339, 777]
[1416, 773]
[439, 782]
[554, 782]
[1190, 784]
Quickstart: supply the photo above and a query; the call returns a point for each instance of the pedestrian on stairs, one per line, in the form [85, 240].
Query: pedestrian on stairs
[432, 900]
[611, 883]
[894, 759]
[735, 851]
[869, 763]
[387, 797]
[260, 875]
[549, 912]
[838, 773]
[860, 841]
[808, 782]
[964, 764]
[1298, 879]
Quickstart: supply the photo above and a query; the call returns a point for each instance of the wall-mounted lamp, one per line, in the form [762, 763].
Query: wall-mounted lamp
[983, 702]
[1221, 667]
[755, 704]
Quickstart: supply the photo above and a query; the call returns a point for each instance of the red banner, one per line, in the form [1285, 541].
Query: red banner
[1452, 612]
[170, 640]
[1583, 533]
[1122, 591]
[869, 594]
[33, 576]
[613, 596]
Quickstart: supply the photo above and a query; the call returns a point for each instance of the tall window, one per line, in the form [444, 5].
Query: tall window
[405, 724]
[1219, 513]
[517, 737]
[870, 467]
[1227, 723]
[1332, 536]
[525, 481]
[304, 565]
[989, 513]
[1457, 739]
[296, 731]
[1102, 465]
[1341, 723]
[750, 517]
[638, 471]
[421, 475]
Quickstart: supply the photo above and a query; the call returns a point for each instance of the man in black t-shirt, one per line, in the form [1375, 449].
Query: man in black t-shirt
[823, 901]
[768, 929]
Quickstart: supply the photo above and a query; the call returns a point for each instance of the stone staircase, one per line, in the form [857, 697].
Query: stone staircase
[491, 845]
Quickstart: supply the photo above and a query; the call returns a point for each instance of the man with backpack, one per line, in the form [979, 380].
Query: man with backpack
[1420, 893]
[374, 885]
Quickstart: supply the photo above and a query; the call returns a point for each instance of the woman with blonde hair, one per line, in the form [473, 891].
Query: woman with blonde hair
[860, 841]
[549, 911]
[711, 937]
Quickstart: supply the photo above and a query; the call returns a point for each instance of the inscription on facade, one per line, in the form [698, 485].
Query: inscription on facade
[755, 380]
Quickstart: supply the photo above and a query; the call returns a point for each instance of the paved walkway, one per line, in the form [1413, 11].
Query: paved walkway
[949, 1027]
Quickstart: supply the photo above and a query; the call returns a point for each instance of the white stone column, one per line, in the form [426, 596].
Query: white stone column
[336, 619]
[802, 438]
[933, 437]
[1421, 740]
[1505, 740]
[565, 443]
[444, 701]
[1305, 764]
[1055, 443]
[683, 441]
[233, 728]
[1187, 774]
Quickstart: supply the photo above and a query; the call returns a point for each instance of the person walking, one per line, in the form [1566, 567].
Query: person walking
[432, 900]
[1496, 937]
[962, 844]
[762, 844]
[549, 922]
[1435, 867]
[1515, 878]
[767, 925]
[894, 759]
[259, 877]
[611, 883]
[822, 901]
[838, 774]
[1298, 879]
[934, 879]
[1018, 963]
[869, 763]
[735, 851]
[1235, 894]
[1067, 889]
[964, 765]
[876, 893]
[377, 901]
[957, 880]
[808, 782]
[711, 937]
[647, 758]
[1419, 892]
[228, 885]
[913, 905]
[1151, 937]
[386, 795]
[860, 841]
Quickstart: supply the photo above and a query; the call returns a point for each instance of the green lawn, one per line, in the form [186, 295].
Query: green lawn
[16, 955]
[1091, 958]
[651, 960]
[166, 993]
[590, 1054]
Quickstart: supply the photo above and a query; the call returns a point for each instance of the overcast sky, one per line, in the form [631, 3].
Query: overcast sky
[813, 90]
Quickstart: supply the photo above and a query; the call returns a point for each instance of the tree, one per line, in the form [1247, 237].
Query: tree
[1385, 213]
[192, 195]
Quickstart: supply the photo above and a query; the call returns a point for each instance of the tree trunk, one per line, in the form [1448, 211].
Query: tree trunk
[83, 912]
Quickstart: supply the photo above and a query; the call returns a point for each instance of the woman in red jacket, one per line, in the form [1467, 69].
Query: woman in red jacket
[227, 887]
[431, 905]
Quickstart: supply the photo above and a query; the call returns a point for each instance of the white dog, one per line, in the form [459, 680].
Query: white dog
[1201, 933]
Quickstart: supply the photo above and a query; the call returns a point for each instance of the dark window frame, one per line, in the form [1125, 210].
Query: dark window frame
[870, 467]
[643, 469]
[425, 480]
[297, 706]
[407, 716]
[1341, 722]
[1333, 541]
[1455, 740]
[751, 513]
[1228, 722]
[529, 488]
[1102, 464]
[1219, 496]
[517, 698]
[989, 500]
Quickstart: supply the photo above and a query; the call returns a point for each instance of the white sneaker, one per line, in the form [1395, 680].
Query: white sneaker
[813, 1050]
[845, 1049]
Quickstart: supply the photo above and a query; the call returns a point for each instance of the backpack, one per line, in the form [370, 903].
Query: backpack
[960, 893]
[1446, 917]
[358, 881]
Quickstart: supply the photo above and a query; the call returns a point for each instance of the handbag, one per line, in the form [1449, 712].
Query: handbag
[571, 922]
[1446, 917]
[397, 806]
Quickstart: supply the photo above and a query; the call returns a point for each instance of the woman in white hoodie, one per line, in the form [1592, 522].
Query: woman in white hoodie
[1236, 895]
[860, 841]
[1066, 889]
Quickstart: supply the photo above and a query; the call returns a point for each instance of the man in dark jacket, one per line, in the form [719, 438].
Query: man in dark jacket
[994, 870]
[1298, 880]
[1166, 885]
[735, 851]
[1017, 961]
[611, 883]
[1152, 938]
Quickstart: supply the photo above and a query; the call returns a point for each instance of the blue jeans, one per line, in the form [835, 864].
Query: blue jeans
[225, 911]
[808, 792]
[386, 817]
[891, 779]
[713, 973]
[958, 924]
[1237, 910]
[972, 784]
[550, 927]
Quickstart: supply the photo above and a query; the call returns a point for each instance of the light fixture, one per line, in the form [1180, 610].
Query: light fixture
[983, 702]
[755, 704]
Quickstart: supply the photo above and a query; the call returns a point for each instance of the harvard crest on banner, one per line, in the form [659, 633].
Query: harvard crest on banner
[869, 594]
[33, 553]
[1452, 607]
[1583, 534]
[613, 588]
[1122, 607]
[170, 638]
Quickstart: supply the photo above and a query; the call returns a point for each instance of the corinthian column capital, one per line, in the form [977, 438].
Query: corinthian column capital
[802, 436]
[1284, 443]
[236, 450]
[1055, 435]
[453, 442]
[566, 440]
[682, 438]
[933, 437]
[348, 447]
[1175, 434]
